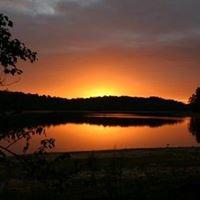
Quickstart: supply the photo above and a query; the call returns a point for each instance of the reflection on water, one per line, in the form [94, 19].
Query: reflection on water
[103, 131]
[125, 121]
[194, 127]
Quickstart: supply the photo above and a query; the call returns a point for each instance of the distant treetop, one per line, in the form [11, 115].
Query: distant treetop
[195, 100]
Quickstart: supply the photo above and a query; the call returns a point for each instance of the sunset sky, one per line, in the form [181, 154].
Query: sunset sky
[108, 47]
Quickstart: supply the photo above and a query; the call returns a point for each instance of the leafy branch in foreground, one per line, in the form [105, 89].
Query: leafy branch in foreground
[11, 137]
[38, 165]
[12, 50]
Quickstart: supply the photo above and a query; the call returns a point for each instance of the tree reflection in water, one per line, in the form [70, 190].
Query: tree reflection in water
[194, 127]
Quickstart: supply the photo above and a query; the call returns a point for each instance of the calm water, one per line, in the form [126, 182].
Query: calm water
[115, 131]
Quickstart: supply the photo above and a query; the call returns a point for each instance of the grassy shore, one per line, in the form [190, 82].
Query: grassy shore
[163, 173]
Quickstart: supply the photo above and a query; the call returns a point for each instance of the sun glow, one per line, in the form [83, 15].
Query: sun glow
[99, 92]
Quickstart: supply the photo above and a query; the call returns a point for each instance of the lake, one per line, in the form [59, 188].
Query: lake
[100, 131]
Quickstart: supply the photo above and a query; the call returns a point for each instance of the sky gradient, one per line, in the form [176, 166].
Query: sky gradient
[109, 47]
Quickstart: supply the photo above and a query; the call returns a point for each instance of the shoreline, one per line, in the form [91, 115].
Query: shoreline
[153, 172]
[126, 150]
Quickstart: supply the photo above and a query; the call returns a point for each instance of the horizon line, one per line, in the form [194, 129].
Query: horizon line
[88, 97]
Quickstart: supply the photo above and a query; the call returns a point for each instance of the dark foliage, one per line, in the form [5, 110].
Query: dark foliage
[194, 127]
[20, 101]
[195, 100]
[12, 50]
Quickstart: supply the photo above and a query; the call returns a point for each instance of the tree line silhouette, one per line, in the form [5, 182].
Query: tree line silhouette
[18, 101]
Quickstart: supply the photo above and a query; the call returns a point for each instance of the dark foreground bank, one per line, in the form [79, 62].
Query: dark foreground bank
[169, 173]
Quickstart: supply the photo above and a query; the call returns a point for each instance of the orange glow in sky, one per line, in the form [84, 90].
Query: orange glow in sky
[135, 48]
[102, 75]
[100, 91]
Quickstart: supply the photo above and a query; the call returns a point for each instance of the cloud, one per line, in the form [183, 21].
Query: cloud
[41, 7]
[155, 27]
[30, 7]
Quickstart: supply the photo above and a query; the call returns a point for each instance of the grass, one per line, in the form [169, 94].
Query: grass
[168, 173]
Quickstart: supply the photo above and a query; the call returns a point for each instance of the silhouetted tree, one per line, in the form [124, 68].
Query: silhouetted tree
[195, 100]
[12, 50]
